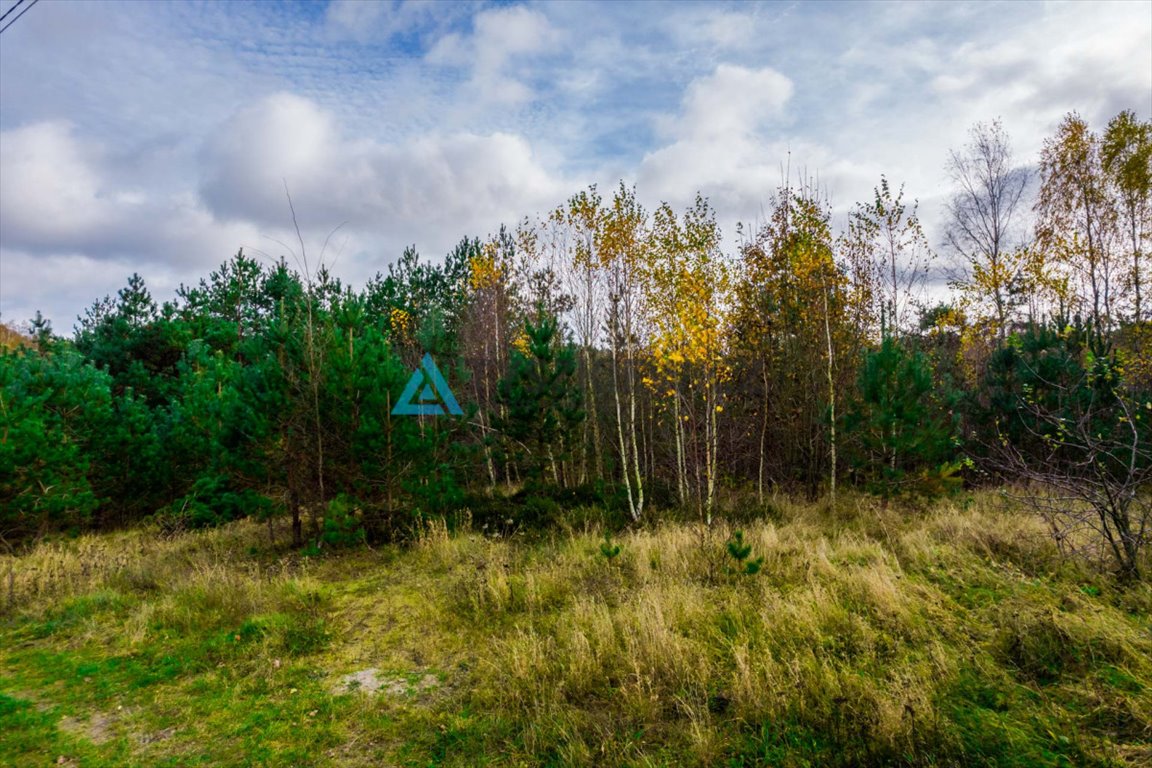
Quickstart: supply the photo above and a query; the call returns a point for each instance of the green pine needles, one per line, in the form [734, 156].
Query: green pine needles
[609, 548]
[542, 400]
[902, 428]
[740, 550]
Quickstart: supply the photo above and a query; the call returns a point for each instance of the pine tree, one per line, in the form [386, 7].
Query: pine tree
[902, 425]
[543, 401]
[53, 409]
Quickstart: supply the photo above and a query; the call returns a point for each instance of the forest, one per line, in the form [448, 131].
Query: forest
[611, 355]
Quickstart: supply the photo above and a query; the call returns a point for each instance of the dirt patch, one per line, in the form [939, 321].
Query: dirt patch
[97, 728]
[34, 699]
[155, 736]
[370, 681]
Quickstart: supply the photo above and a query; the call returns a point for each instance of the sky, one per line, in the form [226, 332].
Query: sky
[160, 137]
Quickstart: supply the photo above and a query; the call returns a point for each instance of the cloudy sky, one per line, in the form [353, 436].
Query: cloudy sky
[158, 137]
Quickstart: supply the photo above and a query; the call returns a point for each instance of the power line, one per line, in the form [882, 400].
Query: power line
[17, 15]
[9, 11]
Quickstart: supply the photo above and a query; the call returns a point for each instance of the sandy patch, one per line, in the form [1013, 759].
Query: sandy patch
[370, 681]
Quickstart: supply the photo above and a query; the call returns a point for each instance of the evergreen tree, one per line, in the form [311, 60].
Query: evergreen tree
[206, 437]
[389, 463]
[1047, 375]
[41, 328]
[902, 426]
[53, 410]
[137, 344]
[230, 307]
[543, 400]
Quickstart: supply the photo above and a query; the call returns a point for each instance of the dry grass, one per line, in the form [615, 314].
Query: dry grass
[12, 339]
[869, 637]
[140, 560]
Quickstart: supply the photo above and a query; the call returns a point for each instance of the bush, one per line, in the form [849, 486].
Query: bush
[343, 524]
[212, 502]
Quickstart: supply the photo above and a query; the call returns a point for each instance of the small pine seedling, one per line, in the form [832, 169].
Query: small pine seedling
[739, 550]
[609, 549]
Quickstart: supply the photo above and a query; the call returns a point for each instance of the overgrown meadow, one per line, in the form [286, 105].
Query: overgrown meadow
[958, 636]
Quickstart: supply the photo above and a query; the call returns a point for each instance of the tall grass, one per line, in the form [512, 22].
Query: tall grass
[870, 636]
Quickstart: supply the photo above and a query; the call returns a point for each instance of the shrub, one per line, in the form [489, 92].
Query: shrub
[343, 526]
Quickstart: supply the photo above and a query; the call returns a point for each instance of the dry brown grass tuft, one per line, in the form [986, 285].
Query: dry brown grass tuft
[10, 338]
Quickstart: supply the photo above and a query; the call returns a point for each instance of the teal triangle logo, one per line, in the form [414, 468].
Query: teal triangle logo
[427, 393]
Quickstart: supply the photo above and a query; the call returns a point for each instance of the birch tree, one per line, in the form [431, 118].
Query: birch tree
[1126, 155]
[898, 252]
[1077, 218]
[620, 243]
[686, 286]
[576, 226]
[986, 223]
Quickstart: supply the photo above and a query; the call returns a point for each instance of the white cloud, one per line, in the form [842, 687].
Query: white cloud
[1032, 79]
[715, 29]
[377, 21]
[721, 143]
[60, 195]
[51, 191]
[59, 286]
[71, 227]
[354, 17]
[500, 38]
[727, 30]
[428, 188]
[733, 102]
[282, 140]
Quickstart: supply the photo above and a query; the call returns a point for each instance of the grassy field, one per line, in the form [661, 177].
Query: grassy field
[869, 637]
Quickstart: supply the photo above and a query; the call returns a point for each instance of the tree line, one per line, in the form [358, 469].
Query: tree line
[608, 354]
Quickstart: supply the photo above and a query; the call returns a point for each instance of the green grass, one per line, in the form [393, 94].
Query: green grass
[869, 637]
